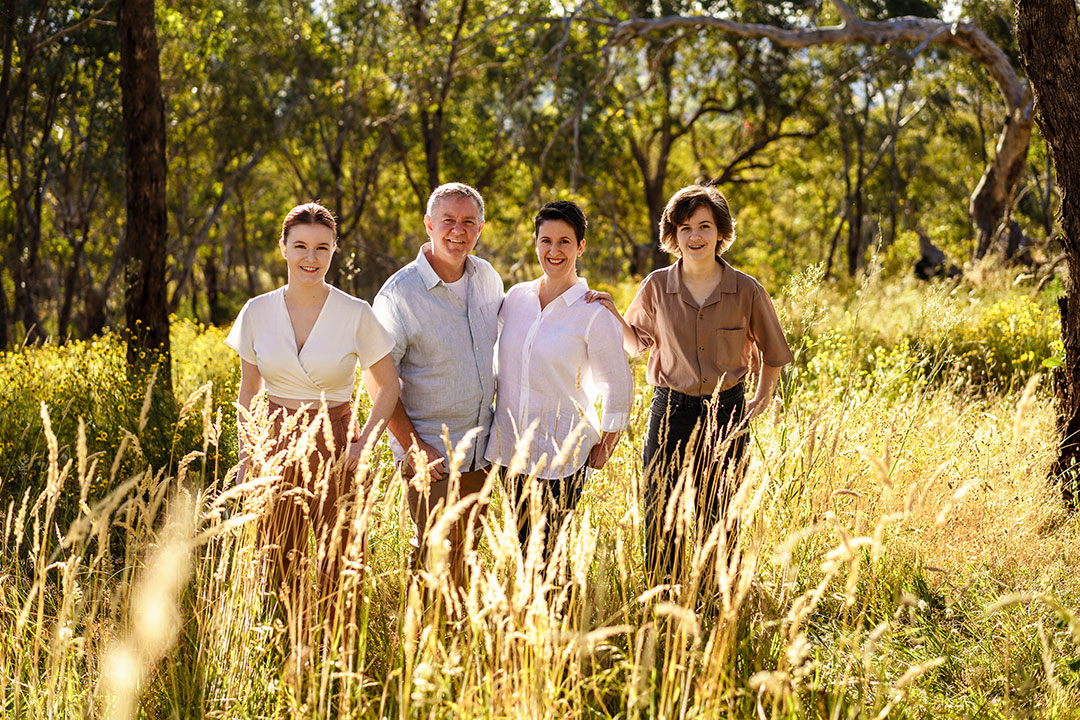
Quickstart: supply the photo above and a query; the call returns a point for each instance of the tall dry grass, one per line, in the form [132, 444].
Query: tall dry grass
[898, 556]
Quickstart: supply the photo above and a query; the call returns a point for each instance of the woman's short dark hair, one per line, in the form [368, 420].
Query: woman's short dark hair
[311, 213]
[563, 210]
[683, 204]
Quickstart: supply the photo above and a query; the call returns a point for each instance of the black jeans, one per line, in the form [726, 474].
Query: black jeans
[705, 438]
[558, 498]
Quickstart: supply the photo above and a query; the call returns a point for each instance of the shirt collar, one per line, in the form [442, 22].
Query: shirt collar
[570, 296]
[727, 282]
[428, 274]
[576, 291]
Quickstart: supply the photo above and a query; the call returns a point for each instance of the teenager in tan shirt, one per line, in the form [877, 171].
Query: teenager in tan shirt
[701, 321]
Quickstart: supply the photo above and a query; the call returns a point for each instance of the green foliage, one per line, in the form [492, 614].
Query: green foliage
[366, 105]
[902, 336]
[1009, 340]
[85, 382]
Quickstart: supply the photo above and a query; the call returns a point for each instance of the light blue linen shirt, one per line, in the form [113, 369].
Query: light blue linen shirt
[444, 352]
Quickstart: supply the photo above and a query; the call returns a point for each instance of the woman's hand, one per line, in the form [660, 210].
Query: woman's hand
[381, 382]
[352, 457]
[630, 341]
[763, 397]
[755, 407]
[604, 299]
[602, 451]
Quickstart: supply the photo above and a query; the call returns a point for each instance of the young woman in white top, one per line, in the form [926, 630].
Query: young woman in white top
[303, 342]
[555, 356]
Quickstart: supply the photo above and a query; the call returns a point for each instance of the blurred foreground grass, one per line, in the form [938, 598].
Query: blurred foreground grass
[901, 554]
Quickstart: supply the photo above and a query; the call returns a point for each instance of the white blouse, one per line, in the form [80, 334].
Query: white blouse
[345, 333]
[551, 365]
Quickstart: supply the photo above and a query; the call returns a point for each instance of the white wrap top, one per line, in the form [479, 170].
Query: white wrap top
[345, 333]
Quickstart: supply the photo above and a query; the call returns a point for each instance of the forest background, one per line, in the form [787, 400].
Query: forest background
[824, 151]
[845, 164]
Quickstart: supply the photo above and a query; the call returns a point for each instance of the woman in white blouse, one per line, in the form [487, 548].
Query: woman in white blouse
[555, 356]
[303, 342]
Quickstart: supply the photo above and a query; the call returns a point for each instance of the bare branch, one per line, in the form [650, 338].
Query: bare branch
[70, 29]
[963, 36]
[845, 11]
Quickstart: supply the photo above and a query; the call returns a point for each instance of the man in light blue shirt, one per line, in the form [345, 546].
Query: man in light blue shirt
[442, 312]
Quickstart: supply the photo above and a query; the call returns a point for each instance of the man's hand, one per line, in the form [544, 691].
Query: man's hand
[432, 459]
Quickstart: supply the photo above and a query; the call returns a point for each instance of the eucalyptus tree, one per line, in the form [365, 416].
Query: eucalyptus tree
[34, 75]
[334, 143]
[681, 85]
[468, 67]
[145, 227]
[993, 194]
[1049, 35]
[84, 193]
[28, 144]
[225, 72]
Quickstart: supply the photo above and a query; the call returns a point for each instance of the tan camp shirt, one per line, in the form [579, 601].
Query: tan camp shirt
[695, 348]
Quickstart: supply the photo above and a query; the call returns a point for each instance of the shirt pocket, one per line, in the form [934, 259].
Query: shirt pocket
[730, 344]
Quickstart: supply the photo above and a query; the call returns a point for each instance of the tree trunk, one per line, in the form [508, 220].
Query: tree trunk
[990, 202]
[654, 198]
[4, 339]
[25, 268]
[145, 300]
[245, 247]
[71, 279]
[1049, 38]
[218, 314]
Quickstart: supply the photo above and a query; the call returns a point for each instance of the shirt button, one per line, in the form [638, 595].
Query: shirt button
[702, 347]
[701, 316]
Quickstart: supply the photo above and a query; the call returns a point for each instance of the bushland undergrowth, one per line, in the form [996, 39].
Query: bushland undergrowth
[901, 553]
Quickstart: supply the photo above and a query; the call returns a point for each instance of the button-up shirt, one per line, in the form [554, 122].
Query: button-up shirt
[695, 348]
[552, 365]
[443, 350]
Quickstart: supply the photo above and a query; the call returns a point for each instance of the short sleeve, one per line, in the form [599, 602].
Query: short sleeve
[389, 319]
[241, 337]
[766, 332]
[373, 342]
[641, 318]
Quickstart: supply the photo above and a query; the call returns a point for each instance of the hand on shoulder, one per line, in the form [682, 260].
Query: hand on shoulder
[604, 299]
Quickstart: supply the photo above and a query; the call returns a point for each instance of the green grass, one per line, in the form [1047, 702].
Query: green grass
[901, 553]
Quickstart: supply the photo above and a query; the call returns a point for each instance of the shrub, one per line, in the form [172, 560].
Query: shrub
[85, 380]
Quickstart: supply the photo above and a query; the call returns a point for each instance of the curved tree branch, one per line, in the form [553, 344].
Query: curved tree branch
[991, 198]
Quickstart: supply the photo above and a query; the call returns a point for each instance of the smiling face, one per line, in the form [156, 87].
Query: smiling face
[308, 250]
[453, 226]
[697, 235]
[558, 249]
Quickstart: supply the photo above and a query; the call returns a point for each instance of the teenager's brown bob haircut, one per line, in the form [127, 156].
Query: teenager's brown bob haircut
[311, 213]
[685, 203]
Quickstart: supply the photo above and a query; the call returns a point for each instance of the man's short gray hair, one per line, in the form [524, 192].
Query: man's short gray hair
[455, 189]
